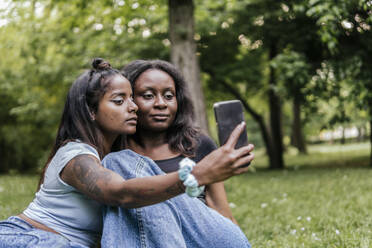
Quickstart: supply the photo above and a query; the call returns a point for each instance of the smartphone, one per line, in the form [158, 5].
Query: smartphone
[228, 115]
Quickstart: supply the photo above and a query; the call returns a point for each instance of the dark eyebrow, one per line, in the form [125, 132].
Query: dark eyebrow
[152, 89]
[115, 94]
[171, 89]
[148, 88]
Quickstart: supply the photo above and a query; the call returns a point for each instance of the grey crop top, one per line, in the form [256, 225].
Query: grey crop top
[61, 207]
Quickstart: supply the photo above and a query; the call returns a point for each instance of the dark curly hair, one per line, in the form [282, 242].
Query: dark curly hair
[182, 134]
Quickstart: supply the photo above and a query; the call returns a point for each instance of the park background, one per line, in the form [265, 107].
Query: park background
[302, 69]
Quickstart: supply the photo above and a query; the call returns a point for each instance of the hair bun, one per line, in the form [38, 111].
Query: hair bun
[100, 64]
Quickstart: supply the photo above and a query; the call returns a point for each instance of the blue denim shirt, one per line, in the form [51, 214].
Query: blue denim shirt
[178, 222]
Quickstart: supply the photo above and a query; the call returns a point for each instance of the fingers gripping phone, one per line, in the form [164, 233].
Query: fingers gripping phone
[228, 115]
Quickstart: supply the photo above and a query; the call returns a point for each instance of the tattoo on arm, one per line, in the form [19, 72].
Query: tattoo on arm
[88, 172]
[87, 175]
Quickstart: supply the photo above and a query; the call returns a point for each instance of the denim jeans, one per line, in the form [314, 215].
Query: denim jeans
[179, 222]
[17, 233]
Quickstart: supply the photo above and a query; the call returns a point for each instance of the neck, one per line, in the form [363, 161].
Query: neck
[107, 143]
[152, 144]
[152, 138]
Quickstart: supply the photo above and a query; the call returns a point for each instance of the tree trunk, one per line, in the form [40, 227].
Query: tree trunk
[183, 53]
[298, 140]
[4, 157]
[370, 138]
[343, 139]
[3, 168]
[360, 134]
[275, 119]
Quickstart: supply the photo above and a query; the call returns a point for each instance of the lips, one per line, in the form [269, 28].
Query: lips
[132, 120]
[160, 117]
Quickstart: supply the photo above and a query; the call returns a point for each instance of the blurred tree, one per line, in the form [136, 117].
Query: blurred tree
[345, 26]
[281, 42]
[47, 44]
[183, 53]
[232, 67]
[264, 53]
[294, 72]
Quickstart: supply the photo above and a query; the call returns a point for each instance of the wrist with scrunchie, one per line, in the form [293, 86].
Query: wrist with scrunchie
[188, 179]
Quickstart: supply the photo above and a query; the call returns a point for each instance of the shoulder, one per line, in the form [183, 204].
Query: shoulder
[77, 148]
[73, 149]
[205, 140]
[64, 155]
[205, 146]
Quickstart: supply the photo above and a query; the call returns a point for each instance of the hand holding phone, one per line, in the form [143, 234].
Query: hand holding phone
[228, 115]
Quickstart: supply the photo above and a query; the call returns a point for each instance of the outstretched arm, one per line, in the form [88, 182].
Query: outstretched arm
[87, 175]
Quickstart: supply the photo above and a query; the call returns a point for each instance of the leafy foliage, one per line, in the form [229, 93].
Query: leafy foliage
[47, 44]
[323, 57]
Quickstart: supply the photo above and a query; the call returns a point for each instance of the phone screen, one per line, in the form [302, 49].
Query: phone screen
[228, 115]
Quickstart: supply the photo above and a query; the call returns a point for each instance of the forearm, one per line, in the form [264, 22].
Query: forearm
[215, 167]
[86, 174]
[139, 192]
[216, 198]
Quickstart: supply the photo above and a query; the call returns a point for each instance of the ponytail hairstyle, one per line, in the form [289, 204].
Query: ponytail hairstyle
[82, 102]
[182, 133]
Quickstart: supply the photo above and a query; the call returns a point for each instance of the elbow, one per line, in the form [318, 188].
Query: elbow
[123, 202]
[128, 202]
[121, 198]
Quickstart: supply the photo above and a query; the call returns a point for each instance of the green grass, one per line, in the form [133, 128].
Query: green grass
[16, 192]
[322, 200]
[321, 156]
[309, 208]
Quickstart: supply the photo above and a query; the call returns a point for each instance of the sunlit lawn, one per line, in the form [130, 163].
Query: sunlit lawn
[15, 193]
[330, 156]
[322, 200]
